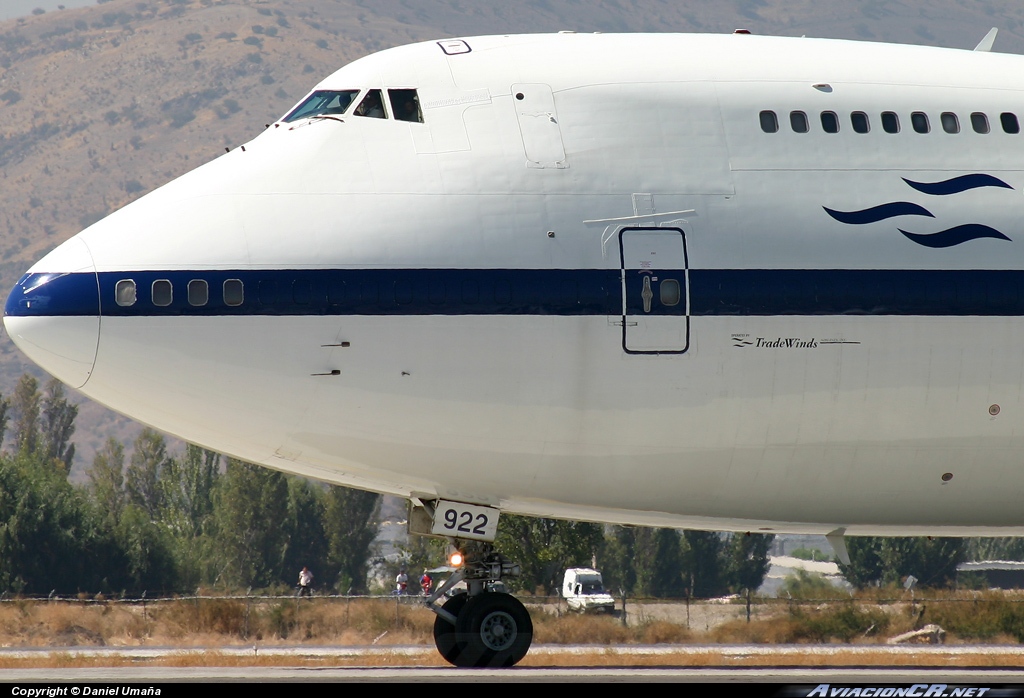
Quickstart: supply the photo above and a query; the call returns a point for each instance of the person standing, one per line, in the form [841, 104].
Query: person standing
[305, 582]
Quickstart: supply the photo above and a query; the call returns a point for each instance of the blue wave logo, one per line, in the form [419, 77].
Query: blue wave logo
[955, 236]
[957, 184]
[878, 213]
[950, 237]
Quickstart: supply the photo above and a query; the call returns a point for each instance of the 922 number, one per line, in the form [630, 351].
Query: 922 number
[461, 521]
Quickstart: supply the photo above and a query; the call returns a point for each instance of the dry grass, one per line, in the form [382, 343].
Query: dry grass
[205, 622]
[209, 622]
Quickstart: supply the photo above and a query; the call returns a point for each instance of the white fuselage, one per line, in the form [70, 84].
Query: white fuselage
[435, 309]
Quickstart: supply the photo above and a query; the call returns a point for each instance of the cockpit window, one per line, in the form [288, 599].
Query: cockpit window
[372, 105]
[323, 102]
[405, 105]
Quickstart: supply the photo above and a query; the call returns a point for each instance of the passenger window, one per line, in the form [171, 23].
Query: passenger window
[919, 120]
[829, 122]
[950, 124]
[405, 105]
[234, 292]
[124, 292]
[372, 106]
[769, 122]
[163, 292]
[859, 120]
[798, 121]
[198, 292]
[670, 292]
[979, 122]
[1009, 122]
[890, 122]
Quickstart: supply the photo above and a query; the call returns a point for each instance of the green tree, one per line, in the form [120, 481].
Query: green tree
[995, 548]
[57, 426]
[49, 537]
[5, 414]
[187, 487]
[350, 520]
[142, 480]
[145, 545]
[106, 480]
[307, 539]
[544, 548]
[932, 561]
[250, 539]
[658, 560]
[616, 561]
[705, 562]
[866, 566]
[25, 413]
[748, 560]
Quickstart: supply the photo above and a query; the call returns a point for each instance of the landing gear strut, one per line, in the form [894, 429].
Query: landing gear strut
[482, 627]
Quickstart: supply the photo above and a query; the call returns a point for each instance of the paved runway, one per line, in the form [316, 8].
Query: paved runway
[803, 676]
[1005, 665]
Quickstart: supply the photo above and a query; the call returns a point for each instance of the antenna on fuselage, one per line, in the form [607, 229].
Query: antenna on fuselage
[986, 43]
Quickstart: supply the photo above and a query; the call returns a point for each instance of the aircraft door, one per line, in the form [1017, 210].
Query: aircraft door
[655, 293]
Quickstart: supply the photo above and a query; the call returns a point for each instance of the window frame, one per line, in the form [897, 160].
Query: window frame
[170, 295]
[197, 283]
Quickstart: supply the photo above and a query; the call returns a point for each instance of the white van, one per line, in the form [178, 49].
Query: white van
[583, 590]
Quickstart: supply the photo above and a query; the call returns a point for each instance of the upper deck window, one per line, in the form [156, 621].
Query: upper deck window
[405, 105]
[323, 102]
[372, 105]
[163, 292]
[234, 292]
[124, 292]
[198, 292]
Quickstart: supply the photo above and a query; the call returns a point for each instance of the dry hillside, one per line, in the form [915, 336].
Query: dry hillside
[104, 103]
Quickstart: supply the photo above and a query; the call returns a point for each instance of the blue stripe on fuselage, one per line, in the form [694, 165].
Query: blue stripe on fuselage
[533, 292]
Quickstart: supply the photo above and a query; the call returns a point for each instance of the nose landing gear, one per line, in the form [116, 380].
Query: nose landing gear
[482, 627]
[494, 630]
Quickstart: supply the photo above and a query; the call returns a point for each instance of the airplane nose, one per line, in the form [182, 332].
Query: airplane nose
[53, 313]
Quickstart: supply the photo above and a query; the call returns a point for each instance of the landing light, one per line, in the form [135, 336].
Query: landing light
[455, 559]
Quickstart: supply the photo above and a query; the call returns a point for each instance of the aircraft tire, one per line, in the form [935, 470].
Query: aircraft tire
[494, 630]
[444, 632]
